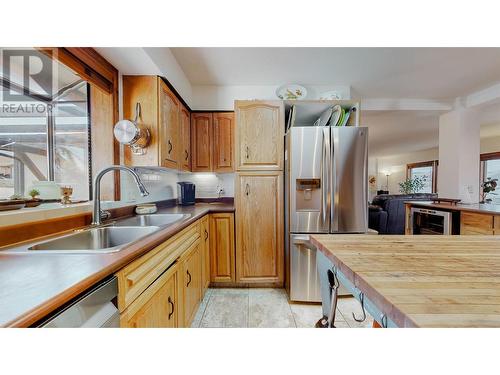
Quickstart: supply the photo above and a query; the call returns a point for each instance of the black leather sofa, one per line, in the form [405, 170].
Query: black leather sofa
[387, 212]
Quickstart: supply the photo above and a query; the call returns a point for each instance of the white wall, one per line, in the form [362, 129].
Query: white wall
[223, 97]
[459, 149]
[396, 166]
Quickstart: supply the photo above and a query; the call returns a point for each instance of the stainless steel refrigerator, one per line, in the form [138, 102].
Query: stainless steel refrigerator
[326, 192]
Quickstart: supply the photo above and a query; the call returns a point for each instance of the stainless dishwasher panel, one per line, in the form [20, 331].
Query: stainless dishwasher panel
[95, 309]
[304, 283]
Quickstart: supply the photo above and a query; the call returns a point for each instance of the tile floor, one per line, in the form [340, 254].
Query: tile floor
[267, 308]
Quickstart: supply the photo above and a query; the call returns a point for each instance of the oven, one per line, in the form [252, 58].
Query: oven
[428, 221]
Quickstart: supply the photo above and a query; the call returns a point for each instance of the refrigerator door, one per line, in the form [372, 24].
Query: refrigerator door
[309, 155]
[349, 169]
[304, 278]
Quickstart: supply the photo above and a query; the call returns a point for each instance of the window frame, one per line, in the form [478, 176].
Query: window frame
[430, 163]
[483, 158]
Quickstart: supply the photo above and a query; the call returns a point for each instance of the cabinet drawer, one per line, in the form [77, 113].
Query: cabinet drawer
[137, 276]
[471, 223]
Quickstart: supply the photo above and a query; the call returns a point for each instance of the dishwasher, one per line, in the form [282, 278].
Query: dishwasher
[97, 308]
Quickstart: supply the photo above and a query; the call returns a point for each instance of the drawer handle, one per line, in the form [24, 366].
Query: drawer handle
[189, 281]
[206, 235]
[247, 189]
[172, 307]
[170, 146]
[187, 155]
[247, 152]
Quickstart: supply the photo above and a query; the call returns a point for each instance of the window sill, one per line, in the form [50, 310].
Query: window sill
[51, 211]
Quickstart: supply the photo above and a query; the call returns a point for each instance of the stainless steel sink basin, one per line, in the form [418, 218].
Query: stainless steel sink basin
[158, 220]
[95, 240]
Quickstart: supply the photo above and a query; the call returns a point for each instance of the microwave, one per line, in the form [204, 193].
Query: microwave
[434, 222]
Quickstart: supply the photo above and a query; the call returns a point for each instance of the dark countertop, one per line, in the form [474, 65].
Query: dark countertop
[481, 208]
[34, 285]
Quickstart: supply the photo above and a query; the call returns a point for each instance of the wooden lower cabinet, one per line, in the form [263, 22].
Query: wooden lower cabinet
[259, 227]
[191, 287]
[222, 254]
[472, 223]
[205, 252]
[157, 307]
[496, 225]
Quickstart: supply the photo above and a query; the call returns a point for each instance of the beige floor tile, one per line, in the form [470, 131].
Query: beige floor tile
[306, 315]
[269, 308]
[226, 310]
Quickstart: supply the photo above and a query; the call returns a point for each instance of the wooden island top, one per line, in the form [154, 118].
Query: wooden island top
[422, 281]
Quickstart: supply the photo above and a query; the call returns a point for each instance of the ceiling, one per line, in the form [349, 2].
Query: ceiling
[433, 73]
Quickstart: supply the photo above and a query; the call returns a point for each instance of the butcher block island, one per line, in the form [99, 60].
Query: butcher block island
[420, 281]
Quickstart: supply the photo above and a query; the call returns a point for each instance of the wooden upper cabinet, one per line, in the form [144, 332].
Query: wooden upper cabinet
[260, 127]
[169, 108]
[160, 114]
[222, 255]
[223, 151]
[143, 90]
[472, 223]
[201, 142]
[259, 250]
[185, 149]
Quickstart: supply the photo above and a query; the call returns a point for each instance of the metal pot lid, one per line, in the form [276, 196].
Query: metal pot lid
[126, 131]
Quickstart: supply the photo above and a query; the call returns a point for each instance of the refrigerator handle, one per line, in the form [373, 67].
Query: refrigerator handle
[324, 173]
[335, 186]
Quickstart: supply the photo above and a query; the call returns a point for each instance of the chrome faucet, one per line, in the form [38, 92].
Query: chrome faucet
[98, 215]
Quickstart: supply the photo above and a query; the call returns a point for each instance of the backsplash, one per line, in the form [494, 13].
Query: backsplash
[162, 184]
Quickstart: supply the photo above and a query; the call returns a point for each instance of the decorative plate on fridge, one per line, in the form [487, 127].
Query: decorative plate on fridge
[291, 92]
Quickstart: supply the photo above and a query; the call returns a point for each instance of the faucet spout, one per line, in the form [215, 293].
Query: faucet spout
[97, 214]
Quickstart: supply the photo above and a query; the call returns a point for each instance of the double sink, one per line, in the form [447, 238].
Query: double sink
[108, 238]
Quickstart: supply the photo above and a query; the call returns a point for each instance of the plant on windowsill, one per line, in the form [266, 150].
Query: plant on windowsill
[412, 185]
[488, 187]
[34, 201]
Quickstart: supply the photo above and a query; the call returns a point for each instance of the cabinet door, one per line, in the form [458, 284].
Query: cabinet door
[496, 225]
[169, 108]
[259, 227]
[222, 255]
[157, 307]
[223, 152]
[142, 90]
[201, 142]
[259, 135]
[205, 253]
[472, 223]
[191, 266]
[185, 149]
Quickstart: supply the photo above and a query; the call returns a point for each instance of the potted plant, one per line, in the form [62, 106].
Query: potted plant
[34, 201]
[488, 187]
[412, 185]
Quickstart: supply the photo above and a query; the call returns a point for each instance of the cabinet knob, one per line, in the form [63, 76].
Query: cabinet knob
[172, 307]
[206, 235]
[247, 152]
[189, 281]
[247, 189]
[170, 146]
[187, 154]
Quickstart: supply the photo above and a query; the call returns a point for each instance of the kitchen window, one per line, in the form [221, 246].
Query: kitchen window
[45, 136]
[490, 168]
[428, 171]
